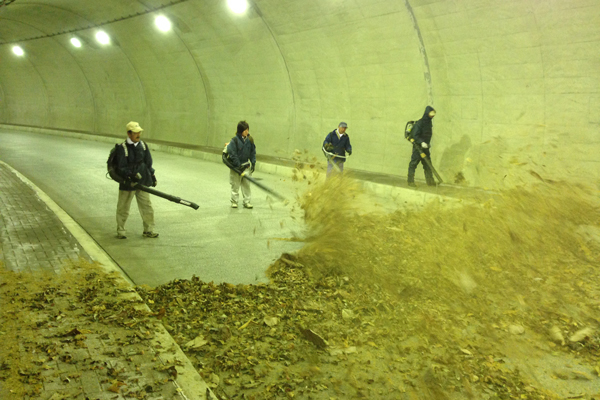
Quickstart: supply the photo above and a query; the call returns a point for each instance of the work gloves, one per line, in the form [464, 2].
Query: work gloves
[133, 180]
[329, 147]
[424, 145]
[349, 153]
[252, 168]
[137, 178]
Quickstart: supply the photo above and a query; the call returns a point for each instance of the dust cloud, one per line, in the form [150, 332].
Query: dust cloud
[510, 277]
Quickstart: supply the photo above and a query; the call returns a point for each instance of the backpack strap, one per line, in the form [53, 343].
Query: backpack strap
[124, 144]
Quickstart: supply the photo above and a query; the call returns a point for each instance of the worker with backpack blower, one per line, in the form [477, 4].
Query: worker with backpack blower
[335, 147]
[241, 155]
[421, 133]
[134, 165]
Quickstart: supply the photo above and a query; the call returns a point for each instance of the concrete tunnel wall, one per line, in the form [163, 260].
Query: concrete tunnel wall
[516, 83]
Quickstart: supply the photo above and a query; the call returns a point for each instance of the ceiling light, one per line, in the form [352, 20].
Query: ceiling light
[102, 37]
[76, 42]
[238, 6]
[18, 50]
[163, 23]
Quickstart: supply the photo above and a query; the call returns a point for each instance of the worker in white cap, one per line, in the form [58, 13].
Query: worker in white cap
[135, 166]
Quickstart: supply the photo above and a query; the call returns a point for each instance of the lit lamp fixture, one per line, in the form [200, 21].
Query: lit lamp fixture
[102, 37]
[238, 6]
[163, 23]
[18, 50]
[75, 42]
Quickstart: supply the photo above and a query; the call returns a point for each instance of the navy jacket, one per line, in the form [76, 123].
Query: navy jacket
[240, 150]
[138, 160]
[341, 145]
[423, 129]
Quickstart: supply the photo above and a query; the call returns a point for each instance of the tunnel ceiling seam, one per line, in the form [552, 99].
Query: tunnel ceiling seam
[93, 25]
[206, 87]
[2, 97]
[47, 97]
[260, 14]
[76, 63]
[423, 51]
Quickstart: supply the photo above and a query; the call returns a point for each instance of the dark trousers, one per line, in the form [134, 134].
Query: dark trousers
[415, 159]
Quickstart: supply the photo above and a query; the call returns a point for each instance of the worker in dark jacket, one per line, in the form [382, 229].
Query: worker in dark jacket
[241, 152]
[336, 144]
[422, 132]
[135, 166]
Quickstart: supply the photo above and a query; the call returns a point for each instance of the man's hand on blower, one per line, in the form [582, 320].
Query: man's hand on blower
[136, 178]
[133, 180]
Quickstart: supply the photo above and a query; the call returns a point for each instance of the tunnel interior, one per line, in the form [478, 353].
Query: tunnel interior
[515, 83]
[484, 287]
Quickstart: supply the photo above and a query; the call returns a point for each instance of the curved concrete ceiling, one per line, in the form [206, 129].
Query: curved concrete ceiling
[504, 77]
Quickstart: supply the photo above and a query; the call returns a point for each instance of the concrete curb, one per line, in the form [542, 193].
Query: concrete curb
[189, 383]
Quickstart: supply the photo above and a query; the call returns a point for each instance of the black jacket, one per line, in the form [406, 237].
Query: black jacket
[423, 129]
[138, 160]
[240, 151]
[340, 145]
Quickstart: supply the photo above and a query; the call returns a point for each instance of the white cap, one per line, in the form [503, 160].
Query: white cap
[134, 127]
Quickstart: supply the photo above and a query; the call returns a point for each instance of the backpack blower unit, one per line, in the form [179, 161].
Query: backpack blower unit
[111, 166]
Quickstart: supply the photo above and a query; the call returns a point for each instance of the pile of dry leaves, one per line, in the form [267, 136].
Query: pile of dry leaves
[495, 299]
[491, 298]
[80, 334]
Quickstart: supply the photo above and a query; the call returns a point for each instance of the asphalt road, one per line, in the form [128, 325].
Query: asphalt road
[215, 243]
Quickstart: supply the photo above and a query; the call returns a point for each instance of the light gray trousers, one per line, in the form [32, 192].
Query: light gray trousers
[236, 181]
[144, 206]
